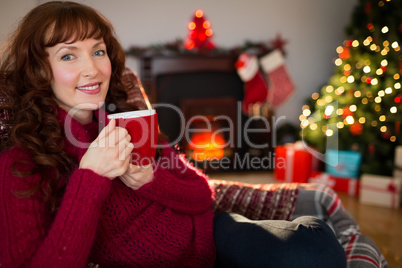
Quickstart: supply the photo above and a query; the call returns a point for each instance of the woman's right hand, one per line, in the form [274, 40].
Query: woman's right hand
[109, 154]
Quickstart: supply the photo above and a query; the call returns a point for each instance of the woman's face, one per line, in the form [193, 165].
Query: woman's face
[81, 75]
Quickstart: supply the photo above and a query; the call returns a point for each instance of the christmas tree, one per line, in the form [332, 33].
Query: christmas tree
[200, 35]
[362, 103]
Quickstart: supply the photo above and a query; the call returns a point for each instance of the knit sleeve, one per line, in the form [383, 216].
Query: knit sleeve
[178, 185]
[32, 237]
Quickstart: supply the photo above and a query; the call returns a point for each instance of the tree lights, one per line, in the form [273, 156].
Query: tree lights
[363, 99]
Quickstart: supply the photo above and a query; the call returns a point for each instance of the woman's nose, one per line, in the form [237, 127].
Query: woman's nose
[89, 69]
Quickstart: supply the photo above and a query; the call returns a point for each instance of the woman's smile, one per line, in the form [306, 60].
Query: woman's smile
[92, 88]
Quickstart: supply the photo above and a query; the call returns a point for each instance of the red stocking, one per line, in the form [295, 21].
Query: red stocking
[279, 80]
[255, 86]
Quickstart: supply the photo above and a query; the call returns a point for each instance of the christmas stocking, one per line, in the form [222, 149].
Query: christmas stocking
[280, 83]
[255, 86]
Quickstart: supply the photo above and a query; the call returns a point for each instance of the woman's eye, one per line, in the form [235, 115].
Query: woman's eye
[67, 57]
[100, 53]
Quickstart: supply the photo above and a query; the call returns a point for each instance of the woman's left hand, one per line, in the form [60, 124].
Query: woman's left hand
[137, 176]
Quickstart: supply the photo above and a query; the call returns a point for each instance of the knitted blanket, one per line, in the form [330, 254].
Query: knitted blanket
[256, 202]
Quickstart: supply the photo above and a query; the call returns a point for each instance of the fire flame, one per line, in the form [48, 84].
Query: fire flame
[205, 146]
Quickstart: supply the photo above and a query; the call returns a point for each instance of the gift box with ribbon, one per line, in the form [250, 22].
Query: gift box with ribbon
[398, 163]
[380, 190]
[343, 163]
[348, 186]
[293, 163]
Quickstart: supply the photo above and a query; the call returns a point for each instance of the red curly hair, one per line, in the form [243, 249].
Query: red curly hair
[25, 77]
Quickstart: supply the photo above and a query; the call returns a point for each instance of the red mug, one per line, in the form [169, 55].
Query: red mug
[142, 126]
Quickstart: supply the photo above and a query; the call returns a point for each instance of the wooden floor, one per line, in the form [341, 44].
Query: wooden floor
[382, 225]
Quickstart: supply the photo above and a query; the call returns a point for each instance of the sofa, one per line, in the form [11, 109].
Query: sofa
[276, 201]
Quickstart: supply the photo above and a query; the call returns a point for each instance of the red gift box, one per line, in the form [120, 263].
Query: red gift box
[292, 163]
[349, 186]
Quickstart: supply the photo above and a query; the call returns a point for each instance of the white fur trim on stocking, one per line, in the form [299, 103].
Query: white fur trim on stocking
[250, 68]
[272, 60]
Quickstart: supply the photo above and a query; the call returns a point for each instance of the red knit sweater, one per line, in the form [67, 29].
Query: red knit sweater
[167, 222]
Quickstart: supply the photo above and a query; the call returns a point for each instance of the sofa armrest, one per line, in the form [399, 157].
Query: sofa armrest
[322, 202]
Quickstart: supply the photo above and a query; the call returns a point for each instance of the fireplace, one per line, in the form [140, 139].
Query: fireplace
[198, 98]
[211, 126]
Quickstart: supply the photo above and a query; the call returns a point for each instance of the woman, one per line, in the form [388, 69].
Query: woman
[66, 205]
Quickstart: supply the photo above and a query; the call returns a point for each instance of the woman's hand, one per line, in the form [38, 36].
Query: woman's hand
[137, 176]
[109, 154]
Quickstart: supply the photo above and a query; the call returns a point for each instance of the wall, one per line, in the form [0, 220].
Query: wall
[313, 28]
[11, 12]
